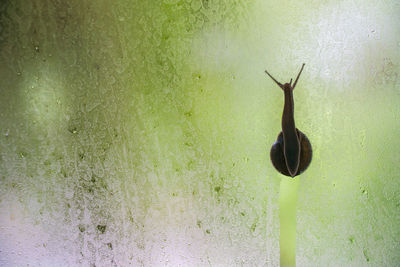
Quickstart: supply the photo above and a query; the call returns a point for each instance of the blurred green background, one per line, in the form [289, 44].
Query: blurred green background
[138, 132]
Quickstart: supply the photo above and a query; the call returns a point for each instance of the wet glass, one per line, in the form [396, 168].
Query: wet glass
[138, 133]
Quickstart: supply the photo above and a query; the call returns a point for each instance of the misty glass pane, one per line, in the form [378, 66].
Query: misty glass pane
[137, 133]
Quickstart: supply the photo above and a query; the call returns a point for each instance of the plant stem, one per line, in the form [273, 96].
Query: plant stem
[287, 218]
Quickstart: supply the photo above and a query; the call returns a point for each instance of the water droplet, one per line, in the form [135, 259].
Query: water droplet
[37, 48]
[101, 228]
[19, 73]
[196, 5]
[188, 114]
[364, 191]
[366, 255]
[73, 130]
[253, 227]
[81, 228]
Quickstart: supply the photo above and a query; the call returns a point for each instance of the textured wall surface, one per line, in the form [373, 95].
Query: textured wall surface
[138, 132]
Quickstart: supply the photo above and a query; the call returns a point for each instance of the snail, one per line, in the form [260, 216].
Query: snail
[291, 154]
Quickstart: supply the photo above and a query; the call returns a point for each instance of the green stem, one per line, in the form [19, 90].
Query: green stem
[287, 218]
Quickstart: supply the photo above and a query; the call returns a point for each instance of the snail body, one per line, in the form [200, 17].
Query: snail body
[291, 154]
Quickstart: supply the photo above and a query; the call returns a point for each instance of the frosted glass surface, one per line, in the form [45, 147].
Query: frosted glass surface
[138, 132]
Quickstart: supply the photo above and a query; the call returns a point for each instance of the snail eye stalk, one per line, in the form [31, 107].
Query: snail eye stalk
[295, 82]
[278, 83]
